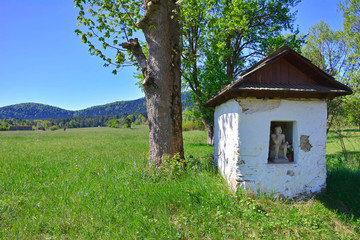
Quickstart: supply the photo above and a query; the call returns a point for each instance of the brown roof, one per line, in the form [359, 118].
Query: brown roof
[282, 74]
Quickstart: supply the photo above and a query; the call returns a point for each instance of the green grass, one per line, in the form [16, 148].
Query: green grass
[95, 183]
[343, 178]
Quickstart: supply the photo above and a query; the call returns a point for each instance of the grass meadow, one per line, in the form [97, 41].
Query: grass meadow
[94, 183]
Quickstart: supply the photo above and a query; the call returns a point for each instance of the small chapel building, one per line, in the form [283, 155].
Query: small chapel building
[270, 126]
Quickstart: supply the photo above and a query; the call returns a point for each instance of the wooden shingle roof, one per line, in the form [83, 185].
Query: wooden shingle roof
[282, 74]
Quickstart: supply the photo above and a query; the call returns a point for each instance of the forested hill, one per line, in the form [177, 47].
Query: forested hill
[115, 108]
[33, 111]
[42, 111]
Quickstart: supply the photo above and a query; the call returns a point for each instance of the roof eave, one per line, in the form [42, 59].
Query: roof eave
[274, 93]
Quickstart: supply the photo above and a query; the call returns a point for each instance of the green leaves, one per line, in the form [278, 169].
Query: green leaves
[351, 33]
[335, 53]
[102, 22]
[328, 50]
[223, 38]
[83, 38]
[78, 32]
[120, 57]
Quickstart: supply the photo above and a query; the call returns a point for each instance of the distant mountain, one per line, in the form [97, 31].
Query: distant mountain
[121, 107]
[33, 111]
[42, 111]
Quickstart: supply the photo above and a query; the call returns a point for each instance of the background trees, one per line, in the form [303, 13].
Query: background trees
[338, 54]
[351, 13]
[329, 51]
[223, 38]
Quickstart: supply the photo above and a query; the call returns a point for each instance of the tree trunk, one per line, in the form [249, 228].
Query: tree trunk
[209, 133]
[332, 110]
[209, 127]
[162, 79]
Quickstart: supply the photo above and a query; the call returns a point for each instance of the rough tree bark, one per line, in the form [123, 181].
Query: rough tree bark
[162, 77]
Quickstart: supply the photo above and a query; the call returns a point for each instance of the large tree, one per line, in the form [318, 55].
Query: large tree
[330, 51]
[223, 38]
[351, 14]
[112, 23]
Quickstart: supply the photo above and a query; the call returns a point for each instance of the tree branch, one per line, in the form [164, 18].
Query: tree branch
[134, 47]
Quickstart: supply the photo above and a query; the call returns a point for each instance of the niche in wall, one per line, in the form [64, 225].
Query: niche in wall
[281, 145]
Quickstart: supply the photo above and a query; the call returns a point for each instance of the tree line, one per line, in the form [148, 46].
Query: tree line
[77, 122]
[190, 122]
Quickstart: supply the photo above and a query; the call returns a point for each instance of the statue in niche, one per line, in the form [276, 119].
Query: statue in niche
[278, 146]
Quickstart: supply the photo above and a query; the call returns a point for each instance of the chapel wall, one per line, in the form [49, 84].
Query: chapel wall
[243, 146]
[226, 139]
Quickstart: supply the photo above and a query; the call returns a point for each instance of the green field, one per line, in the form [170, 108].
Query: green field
[95, 184]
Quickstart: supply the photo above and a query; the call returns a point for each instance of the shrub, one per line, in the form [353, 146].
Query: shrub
[193, 125]
[53, 128]
[171, 167]
[199, 125]
[188, 126]
[113, 123]
[3, 128]
[175, 167]
[137, 122]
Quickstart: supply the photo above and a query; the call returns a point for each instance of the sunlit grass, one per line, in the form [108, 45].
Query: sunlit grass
[95, 183]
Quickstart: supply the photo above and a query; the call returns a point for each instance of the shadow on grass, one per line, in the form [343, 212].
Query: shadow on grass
[338, 159]
[198, 144]
[343, 185]
[347, 137]
[347, 130]
[351, 130]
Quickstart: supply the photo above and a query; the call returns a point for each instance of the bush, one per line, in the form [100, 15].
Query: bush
[199, 125]
[53, 128]
[113, 123]
[3, 128]
[170, 168]
[137, 122]
[188, 126]
[175, 167]
[193, 125]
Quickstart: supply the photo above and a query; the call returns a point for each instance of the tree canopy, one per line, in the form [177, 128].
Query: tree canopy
[338, 54]
[351, 14]
[223, 38]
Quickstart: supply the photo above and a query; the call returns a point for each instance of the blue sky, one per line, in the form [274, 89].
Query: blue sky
[43, 61]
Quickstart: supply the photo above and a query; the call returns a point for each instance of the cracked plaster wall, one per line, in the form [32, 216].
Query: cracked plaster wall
[242, 130]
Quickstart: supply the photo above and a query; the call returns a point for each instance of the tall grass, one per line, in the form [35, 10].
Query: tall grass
[95, 183]
[343, 178]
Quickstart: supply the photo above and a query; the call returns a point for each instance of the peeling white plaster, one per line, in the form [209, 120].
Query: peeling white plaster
[241, 142]
[250, 106]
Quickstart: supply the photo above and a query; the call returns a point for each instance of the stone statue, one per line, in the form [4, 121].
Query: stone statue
[278, 148]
